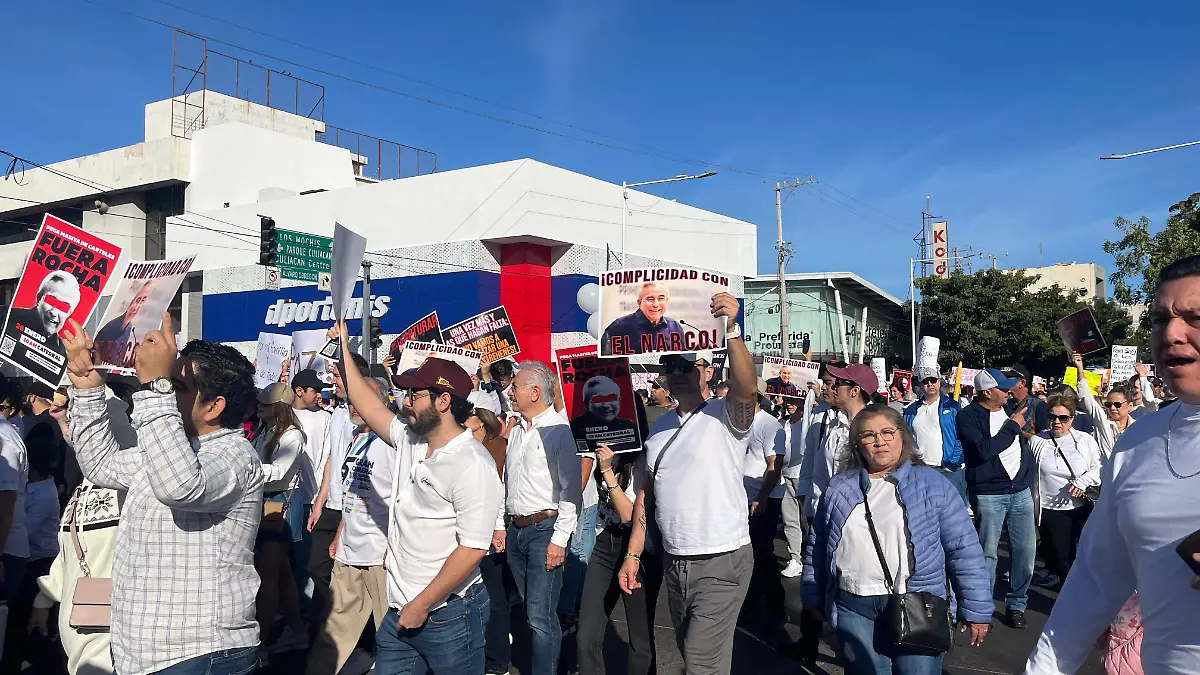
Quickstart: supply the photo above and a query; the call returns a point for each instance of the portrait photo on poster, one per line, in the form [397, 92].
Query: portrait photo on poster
[143, 293]
[659, 310]
[789, 378]
[598, 395]
[63, 278]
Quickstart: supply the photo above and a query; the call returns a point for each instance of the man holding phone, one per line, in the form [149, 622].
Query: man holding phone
[1139, 537]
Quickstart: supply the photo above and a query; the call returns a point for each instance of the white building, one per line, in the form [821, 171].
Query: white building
[1084, 279]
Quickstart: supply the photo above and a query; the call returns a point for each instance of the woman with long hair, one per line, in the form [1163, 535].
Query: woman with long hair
[886, 526]
[1111, 417]
[279, 443]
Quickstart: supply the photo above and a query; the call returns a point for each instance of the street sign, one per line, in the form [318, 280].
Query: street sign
[272, 278]
[324, 281]
[303, 256]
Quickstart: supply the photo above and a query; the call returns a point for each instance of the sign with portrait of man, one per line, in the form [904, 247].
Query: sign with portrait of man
[789, 378]
[144, 292]
[660, 310]
[598, 395]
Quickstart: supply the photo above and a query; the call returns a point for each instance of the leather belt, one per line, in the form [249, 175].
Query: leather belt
[526, 521]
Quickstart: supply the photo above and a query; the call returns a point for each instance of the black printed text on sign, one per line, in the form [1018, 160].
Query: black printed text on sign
[598, 395]
[660, 310]
[488, 333]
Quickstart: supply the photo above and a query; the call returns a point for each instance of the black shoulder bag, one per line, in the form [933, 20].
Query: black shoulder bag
[1091, 494]
[918, 623]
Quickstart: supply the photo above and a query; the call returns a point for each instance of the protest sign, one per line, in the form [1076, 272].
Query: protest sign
[488, 333]
[662, 310]
[1039, 383]
[62, 279]
[642, 380]
[1071, 378]
[1080, 333]
[720, 357]
[426, 329]
[1123, 362]
[348, 250]
[272, 352]
[927, 353]
[144, 292]
[788, 378]
[879, 365]
[598, 394]
[306, 354]
[415, 354]
[967, 375]
[904, 377]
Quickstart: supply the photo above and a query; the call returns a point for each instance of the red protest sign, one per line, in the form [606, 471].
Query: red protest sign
[425, 329]
[63, 278]
[1080, 332]
[598, 394]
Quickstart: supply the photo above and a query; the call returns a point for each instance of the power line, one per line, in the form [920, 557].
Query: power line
[859, 201]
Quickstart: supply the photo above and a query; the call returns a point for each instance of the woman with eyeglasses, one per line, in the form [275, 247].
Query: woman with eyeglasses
[888, 526]
[1068, 464]
[1111, 417]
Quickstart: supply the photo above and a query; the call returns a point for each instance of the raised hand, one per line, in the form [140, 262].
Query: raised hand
[79, 346]
[156, 355]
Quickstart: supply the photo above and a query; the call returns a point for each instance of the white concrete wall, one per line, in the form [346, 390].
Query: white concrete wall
[1072, 277]
[220, 109]
[123, 225]
[234, 162]
[510, 200]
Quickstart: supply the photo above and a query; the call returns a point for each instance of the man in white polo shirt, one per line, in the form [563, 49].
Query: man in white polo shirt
[693, 486]
[445, 495]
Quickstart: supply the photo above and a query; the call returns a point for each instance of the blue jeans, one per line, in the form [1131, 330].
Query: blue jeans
[958, 479]
[539, 589]
[862, 651]
[991, 512]
[450, 642]
[576, 562]
[14, 574]
[228, 662]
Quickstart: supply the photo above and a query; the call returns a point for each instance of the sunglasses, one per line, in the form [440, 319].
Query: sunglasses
[1064, 419]
[680, 366]
[1114, 404]
[844, 383]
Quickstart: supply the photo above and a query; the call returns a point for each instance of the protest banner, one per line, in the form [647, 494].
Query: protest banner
[488, 333]
[661, 310]
[927, 353]
[720, 357]
[1039, 383]
[598, 395]
[142, 295]
[62, 279]
[904, 377]
[789, 378]
[1080, 333]
[349, 247]
[1123, 362]
[272, 352]
[1095, 380]
[643, 380]
[306, 354]
[967, 375]
[879, 365]
[426, 329]
[416, 353]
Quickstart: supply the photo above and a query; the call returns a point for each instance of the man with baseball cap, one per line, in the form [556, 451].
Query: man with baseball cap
[934, 422]
[1021, 396]
[1000, 468]
[307, 386]
[849, 389]
[445, 494]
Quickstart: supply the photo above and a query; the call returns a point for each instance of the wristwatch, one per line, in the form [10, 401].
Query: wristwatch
[159, 385]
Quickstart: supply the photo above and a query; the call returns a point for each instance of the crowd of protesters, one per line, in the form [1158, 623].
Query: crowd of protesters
[183, 521]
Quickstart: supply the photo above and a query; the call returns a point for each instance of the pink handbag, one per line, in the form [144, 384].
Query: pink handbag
[91, 604]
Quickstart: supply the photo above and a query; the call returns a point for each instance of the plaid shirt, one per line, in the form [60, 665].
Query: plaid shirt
[184, 582]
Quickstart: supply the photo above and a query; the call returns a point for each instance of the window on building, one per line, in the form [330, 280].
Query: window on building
[161, 203]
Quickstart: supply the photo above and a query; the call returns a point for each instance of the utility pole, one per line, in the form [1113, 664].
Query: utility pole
[957, 258]
[924, 258]
[367, 349]
[785, 251]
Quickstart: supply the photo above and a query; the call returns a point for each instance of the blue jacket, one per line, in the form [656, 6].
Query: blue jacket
[981, 452]
[952, 453]
[940, 535]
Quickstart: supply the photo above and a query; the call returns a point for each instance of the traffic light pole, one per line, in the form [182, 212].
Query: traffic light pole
[368, 348]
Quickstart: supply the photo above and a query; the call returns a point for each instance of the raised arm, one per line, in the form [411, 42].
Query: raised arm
[743, 378]
[360, 393]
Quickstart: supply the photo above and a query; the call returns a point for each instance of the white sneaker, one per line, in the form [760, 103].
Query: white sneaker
[793, 569]
[289, 640]
[360, 663]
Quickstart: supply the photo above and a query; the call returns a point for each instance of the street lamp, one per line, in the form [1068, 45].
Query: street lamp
[1146, 152]
[625, 199]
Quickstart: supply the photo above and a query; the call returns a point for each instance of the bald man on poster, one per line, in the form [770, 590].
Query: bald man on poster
[649, 319]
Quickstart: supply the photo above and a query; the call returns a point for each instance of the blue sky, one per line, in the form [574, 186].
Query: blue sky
[998, 112]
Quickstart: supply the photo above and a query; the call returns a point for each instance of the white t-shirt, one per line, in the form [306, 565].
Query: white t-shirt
[766, 440]
[1055, 475]
[341, 430]
[1010, 457]
[14, 472]
[700, 503]
[41, 517]
[439, 503]
[859, 571]
[591, 491]
[927, 427]
[315, 424]
[366, 496]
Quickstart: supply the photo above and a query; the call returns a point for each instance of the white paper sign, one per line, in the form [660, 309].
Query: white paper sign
[306, 353]
[1123, 363]
[879, 365]
[273, 350]
[416, 353]
[927, 352]
[348, 250]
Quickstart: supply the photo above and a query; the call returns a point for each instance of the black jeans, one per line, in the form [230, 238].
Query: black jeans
[320, 565]
[1060, 537]
[501, 588]
[766, 586]
[600, 593]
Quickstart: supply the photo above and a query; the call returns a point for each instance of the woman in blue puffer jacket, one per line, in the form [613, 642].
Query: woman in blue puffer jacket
[924, 531]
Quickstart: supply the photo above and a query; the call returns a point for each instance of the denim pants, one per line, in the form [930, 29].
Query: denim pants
[992, 511]
[862, 650]
[958, 479]
[501, 588]
[228, 662]
[450, 642]
[576, 562]
[539, 589]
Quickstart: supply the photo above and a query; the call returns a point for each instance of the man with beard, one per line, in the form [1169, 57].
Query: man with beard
[648, 321]
[445, 496]
[116, 339]
[600, 423]
[57, 297]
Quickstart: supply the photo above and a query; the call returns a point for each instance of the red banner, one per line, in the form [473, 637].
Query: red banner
[598, 394]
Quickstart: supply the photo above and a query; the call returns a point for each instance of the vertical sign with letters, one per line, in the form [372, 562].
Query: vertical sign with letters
[941, 250]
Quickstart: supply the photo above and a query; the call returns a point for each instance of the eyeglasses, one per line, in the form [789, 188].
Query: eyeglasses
[1114, 404]
[1062, 419]
[413, 395]
[839, 382]
[870, 437]
[680, 366]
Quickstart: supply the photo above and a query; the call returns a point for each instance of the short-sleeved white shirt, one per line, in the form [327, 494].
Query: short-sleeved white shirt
[700, 503]
[366, 498]
[763, 444]
[341, 431]
[14, 473]
[438, 504]
[315, 425]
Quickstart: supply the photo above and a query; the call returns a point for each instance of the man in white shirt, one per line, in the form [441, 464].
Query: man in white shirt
[314, 422]
[694, 459]
[14, 473]
[1147, 507]
[359, 583]
[760, 476]
[934, 422]
[795, 426]
[544, 497]
[445, 495]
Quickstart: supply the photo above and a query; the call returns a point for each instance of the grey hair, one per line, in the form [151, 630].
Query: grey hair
[56, 277]
[852, 458]
[382, 388]
[543, 377]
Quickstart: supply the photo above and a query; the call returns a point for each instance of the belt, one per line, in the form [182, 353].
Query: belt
[526, 521]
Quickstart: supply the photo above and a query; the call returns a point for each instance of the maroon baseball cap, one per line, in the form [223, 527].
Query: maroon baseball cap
[445, 375]
[858, 373]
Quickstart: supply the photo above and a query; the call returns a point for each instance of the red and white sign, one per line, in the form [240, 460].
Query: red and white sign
[941, 250]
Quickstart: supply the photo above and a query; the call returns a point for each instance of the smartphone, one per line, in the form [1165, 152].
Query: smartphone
[1187, 548]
